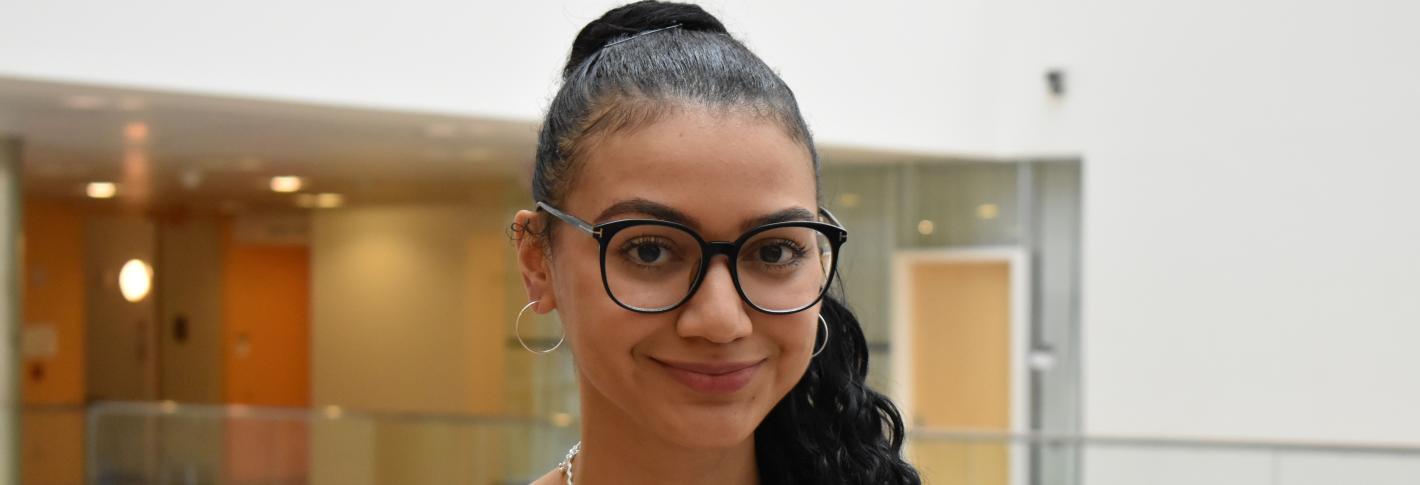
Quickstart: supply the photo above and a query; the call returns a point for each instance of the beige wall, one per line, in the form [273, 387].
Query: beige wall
[408, 315]
[120, 337]
[189, 278]
[401, 318]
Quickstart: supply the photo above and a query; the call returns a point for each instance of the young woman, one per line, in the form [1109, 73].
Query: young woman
[678, 233]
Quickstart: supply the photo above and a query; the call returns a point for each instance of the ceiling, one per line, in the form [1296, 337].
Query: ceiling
[204, 152]
[176, 151]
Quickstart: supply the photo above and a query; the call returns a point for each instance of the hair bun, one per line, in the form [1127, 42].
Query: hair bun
[635, 18]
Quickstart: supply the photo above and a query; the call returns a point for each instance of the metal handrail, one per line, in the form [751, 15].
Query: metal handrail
[168, 408]
[1078, 440]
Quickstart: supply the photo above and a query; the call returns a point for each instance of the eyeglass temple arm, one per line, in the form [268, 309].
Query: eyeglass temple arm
[829, 216]
[568, 218]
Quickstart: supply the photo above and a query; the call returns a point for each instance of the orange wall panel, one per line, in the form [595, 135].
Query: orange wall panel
[54, 296]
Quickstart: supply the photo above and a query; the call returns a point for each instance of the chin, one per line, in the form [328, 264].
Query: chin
[712, 427]
[710, 436]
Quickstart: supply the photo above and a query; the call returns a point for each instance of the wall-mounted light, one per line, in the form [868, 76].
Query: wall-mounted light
[286, 184]
[925, 227]
[135, 280]
[101, 190]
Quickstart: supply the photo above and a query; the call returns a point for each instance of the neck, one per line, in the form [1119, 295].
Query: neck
[617, 450]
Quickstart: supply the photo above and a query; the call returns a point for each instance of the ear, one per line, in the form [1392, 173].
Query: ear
[529, 233]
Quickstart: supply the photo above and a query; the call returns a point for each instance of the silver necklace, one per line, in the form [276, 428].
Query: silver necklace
[566, 465]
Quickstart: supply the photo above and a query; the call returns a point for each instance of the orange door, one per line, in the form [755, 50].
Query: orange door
[266, 312]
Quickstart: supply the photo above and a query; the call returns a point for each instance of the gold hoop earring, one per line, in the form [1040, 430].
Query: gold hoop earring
[823, 322]
[517, 331]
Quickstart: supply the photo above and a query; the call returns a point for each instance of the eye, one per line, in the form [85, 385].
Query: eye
[778, 252]
[773, 254]
[646, 251]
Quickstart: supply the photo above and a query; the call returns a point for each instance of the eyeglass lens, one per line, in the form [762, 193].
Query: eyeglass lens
[652, 267]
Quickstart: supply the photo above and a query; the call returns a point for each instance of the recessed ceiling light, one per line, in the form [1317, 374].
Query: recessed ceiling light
[320, 201]
[286, 184]
[850, 199]
[129, 103]
[101, 190]
[85, 102]
[441, 130]
[135, 131]
[987, 212]
[925, 227]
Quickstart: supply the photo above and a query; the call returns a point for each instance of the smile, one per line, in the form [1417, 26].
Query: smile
[712, 378]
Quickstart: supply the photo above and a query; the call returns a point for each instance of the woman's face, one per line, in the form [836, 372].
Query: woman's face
[706, 373]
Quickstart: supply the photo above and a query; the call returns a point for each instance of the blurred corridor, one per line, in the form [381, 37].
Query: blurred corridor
[1093, 243]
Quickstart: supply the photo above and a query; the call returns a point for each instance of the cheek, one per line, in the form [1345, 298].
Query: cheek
[795, 340]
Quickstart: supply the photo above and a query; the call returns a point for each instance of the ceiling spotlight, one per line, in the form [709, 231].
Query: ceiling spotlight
[286, 184]
[320, 201]
[440, 130]
[130, 103]
[329, 201]
[84, 102]
[135, 131]
[987, 212]
[101, 190]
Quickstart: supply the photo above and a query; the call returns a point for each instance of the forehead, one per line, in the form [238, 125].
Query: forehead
[719, 167]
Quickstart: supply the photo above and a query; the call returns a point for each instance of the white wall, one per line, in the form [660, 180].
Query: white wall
[1250, 206]
[502, 59]
[1249, 252]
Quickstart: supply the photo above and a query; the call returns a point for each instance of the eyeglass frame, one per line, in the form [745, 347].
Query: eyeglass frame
[604, 232]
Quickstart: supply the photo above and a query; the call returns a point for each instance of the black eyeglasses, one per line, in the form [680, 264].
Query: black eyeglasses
[654, 266]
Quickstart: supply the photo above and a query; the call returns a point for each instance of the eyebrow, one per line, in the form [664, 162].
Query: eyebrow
[668, 213]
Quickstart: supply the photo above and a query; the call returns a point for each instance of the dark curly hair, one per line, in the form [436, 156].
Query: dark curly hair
[831, 428]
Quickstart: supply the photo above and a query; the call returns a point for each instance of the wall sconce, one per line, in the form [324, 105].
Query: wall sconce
[135, 280]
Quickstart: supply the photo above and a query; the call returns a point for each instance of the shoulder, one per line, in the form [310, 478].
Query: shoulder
[553, 477]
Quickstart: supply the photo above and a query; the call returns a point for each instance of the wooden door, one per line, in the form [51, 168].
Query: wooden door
[960, 317]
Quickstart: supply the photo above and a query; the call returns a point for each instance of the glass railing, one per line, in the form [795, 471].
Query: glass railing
[993, 458]
[167, 443]
[172, 444]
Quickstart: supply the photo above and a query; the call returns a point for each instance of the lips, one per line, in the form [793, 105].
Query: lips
[712, 377]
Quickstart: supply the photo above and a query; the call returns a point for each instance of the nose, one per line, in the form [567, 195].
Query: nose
[715, 312]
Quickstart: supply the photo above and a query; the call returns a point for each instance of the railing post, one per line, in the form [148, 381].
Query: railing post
[10, 224]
